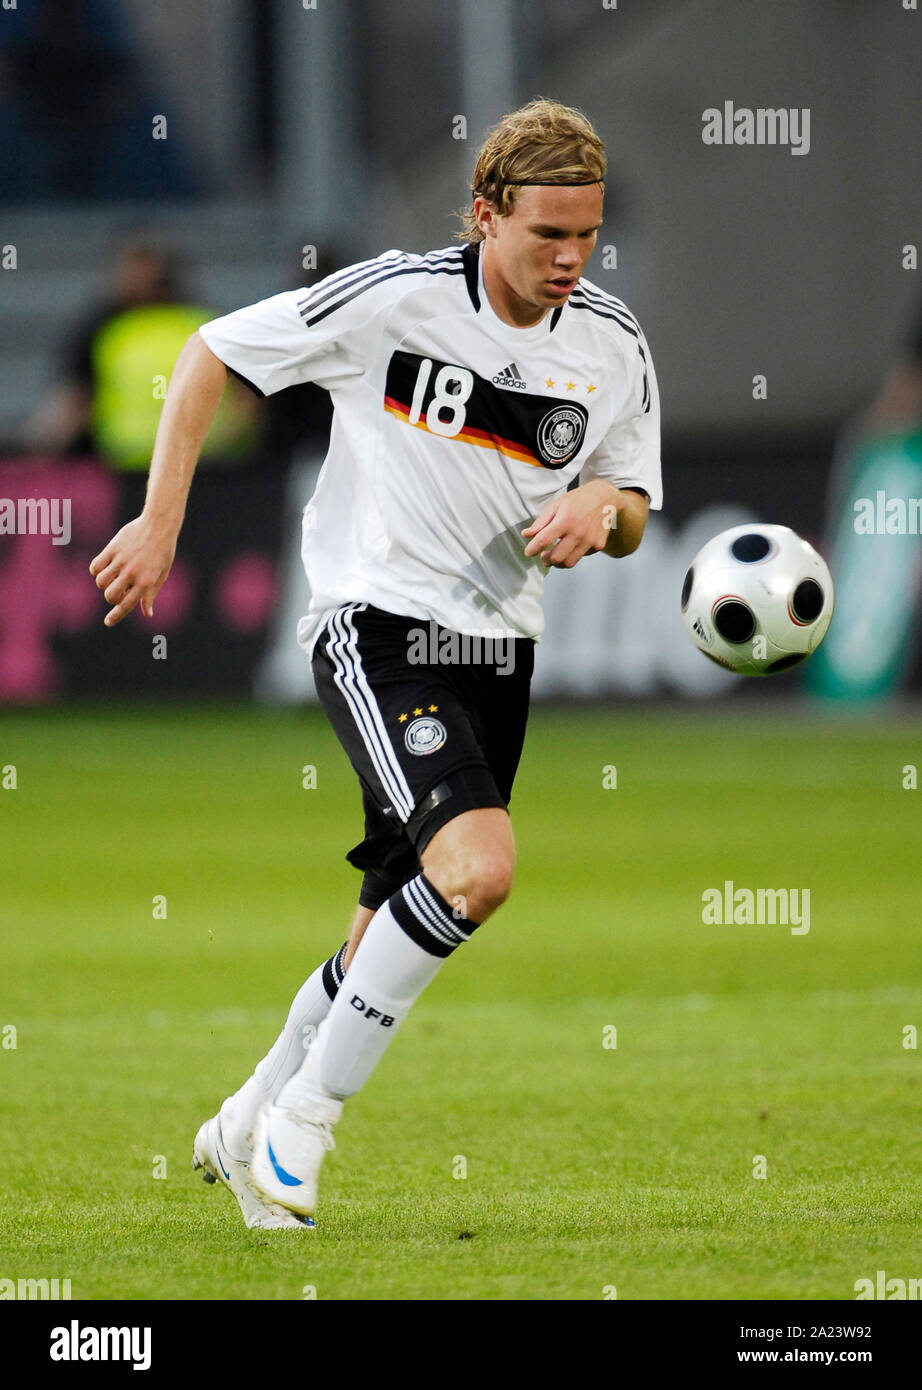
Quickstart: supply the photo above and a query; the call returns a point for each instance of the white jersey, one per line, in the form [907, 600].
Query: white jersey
[451, 430]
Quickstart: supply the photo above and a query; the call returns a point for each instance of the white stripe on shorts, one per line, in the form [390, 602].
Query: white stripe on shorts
[343, 651]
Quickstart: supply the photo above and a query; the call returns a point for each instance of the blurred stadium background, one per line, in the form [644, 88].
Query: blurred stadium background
[161, 164]
[206, 155]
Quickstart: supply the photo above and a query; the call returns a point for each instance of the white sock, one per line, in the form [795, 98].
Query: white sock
[310, 1006]
[404, 945]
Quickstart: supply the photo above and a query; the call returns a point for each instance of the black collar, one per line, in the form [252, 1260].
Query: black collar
[470, 259]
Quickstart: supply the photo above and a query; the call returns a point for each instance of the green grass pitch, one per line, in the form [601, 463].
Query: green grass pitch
[588, 1168]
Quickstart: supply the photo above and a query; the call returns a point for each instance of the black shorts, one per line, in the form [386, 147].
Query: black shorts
[433, 723]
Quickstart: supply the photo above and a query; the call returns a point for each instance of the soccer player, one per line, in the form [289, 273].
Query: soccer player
[495, 414]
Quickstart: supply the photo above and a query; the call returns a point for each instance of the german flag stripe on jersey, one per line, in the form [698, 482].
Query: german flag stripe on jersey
[543, 431]
[467, 434]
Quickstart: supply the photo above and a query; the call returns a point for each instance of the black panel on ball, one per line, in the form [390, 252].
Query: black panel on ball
[734, 621]
[784, 663]
[750, 548]
[807, 603]
[687, 587]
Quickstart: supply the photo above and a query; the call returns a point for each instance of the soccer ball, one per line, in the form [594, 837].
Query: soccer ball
[757, 599]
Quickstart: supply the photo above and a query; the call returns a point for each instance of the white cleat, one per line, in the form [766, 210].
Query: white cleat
[289, 1146]
[210, 1155]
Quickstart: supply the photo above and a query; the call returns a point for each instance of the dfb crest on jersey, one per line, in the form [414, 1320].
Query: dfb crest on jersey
[560, 434]
[425, 735]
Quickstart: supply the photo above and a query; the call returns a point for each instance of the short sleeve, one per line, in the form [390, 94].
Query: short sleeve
[324, 334]
[629, 455]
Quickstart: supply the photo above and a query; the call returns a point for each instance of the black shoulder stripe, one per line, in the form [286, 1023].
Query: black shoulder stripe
[629, 328]
[351, 275]
[342, 279]
[606, 301]
[626, 324]
[342, 294]
[605, 310]
[360, 289]
[645, 404]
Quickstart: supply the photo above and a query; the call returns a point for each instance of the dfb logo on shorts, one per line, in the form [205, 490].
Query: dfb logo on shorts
[425, 735]
[358, 1002]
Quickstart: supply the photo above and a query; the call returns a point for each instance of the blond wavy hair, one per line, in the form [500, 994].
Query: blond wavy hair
[543, 141]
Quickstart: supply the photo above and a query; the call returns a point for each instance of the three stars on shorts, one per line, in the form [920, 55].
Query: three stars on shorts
[402, 718]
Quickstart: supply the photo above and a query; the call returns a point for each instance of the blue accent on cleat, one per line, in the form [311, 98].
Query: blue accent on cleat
[280, 1173]
[217, 1149]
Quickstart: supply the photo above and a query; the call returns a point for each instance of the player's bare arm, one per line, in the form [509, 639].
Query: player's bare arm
[597, 516]
[134, 565]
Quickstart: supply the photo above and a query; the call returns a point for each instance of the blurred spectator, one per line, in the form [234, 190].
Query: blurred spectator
[76, 108]
[115, 365]
[299, 417]
[897, 407]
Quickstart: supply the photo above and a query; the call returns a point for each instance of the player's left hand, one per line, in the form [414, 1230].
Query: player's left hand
[576, 524]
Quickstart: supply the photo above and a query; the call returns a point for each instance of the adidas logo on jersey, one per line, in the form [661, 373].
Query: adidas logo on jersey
[509, 376]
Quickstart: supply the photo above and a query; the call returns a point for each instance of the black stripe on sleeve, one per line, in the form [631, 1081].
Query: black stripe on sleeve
[448, 267]
[343, 279]
[628, 328]
[606, 301]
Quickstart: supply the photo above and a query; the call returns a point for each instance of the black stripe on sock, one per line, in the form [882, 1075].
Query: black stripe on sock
[408, 921]
[421, 911]
[464, 924]
[333, 972]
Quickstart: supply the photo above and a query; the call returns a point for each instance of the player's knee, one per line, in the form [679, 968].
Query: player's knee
[477, 882]
[471, 861]
[492, 884]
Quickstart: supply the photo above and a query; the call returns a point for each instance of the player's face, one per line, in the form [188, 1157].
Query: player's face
[534, 257]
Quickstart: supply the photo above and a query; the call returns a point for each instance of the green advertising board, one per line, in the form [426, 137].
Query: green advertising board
[876, 563]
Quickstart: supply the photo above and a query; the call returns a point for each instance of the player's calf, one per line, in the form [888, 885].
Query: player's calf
[407, 941]
[468, 868]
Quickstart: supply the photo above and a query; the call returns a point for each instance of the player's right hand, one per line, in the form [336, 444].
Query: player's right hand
[133, 567]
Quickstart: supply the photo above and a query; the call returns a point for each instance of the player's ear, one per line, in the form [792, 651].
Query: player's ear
[485, 215]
